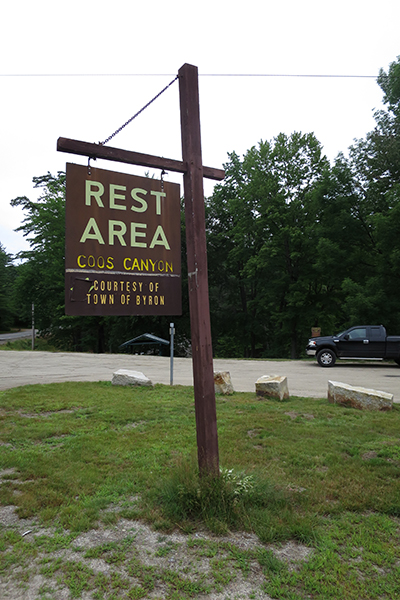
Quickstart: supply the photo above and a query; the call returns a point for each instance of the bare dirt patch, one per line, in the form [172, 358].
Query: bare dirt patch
[49, 564]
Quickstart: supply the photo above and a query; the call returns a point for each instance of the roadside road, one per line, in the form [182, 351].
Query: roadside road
[305, 378]
[17, 335]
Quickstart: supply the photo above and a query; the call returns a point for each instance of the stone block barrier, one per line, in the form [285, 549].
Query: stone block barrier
[272, 386]
[126, 377]
[358, 397]
[222, 383]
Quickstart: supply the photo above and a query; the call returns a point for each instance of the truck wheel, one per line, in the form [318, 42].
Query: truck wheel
[326, 358]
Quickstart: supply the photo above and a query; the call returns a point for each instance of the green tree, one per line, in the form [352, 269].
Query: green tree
[343, 246]
[41, 274]
[372, 293]
[7, 276]
[262, 236]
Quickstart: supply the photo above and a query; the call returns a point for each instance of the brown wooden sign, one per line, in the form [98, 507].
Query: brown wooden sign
[123, 246]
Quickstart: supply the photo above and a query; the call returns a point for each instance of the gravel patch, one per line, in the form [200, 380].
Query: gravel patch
[192, 558]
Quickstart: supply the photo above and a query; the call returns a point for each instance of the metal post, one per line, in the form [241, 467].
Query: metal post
[171, 349]
[33, 326]
[203, 374]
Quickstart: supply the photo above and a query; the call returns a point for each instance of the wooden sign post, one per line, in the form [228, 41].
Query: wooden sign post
[203, 373]
[194, 171]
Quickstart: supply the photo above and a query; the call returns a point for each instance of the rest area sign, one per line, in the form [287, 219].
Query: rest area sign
[123, 246]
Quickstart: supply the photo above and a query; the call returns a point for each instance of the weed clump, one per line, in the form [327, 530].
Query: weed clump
[230, 501]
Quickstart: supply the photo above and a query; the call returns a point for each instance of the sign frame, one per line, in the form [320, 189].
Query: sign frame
[123, 246]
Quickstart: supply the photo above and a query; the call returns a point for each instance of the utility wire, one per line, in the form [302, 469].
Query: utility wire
[300, 75]
[284, 75]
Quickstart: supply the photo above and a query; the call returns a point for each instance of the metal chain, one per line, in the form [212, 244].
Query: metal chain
[138, 113]
[162, 179]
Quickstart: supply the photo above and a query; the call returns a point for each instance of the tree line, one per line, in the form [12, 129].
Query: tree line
[294, 242]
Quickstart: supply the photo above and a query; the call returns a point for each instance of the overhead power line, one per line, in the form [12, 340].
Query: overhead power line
[301, 75]
[284, 75]
[87, 74]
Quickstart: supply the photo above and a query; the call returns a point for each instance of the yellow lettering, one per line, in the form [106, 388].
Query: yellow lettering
[114, 196]
[159, 239]
[78, 260]
[137, 198]
[96, 194]
[89, 235]
[113, 232]
[125, 264]
[158, 196]
[138, 234]
[110, 262]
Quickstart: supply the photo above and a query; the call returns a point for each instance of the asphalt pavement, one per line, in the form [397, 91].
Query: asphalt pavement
[17, 335]
[305, 377]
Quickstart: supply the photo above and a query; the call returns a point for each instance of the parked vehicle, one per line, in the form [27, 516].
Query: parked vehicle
[362, 341]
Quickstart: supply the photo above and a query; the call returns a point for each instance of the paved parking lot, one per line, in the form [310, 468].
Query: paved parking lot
[305, 378]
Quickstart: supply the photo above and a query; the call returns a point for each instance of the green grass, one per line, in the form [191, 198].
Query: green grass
[301, 470]
[41, 344]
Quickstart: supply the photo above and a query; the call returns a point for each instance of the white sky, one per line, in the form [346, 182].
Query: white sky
[352, 37]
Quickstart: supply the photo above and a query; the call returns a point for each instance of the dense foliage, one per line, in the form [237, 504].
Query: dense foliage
[293, 243]
[262, 238]
[7, 273]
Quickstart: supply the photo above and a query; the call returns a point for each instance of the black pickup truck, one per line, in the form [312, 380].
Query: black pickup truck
[362, 341]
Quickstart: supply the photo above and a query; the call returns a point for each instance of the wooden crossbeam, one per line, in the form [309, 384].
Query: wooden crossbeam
[131, 158]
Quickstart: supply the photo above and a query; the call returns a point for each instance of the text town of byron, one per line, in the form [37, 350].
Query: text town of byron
[123, 246]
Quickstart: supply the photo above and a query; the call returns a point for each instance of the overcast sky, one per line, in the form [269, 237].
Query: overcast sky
[43, 43]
